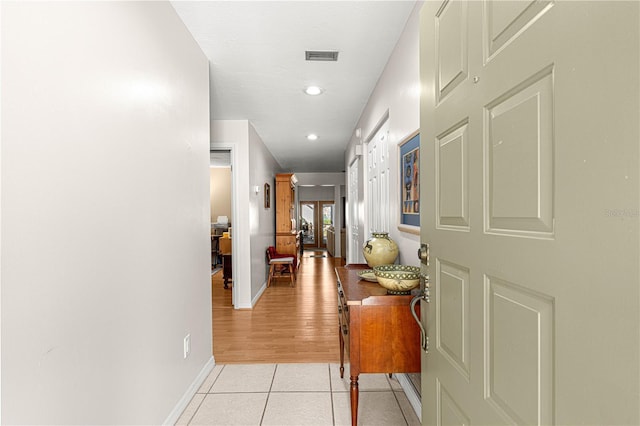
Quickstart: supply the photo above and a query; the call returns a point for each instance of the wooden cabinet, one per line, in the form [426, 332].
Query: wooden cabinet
[287, 239]
[376, 329]
[285, 202]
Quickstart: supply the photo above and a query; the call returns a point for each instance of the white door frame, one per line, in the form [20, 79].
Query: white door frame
[234, 209]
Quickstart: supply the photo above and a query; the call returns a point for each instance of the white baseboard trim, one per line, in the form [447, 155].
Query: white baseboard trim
[254, 300]
[189, 394]
[258, 295]
[411, 393]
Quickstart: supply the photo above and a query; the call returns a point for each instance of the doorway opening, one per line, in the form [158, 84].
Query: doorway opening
[316, 217]
[220, 198]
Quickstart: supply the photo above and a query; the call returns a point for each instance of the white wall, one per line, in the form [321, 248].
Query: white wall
[398, 92]
[105, 212]
[336, 179]
[316, 193]
[253, 226]
[263, 168]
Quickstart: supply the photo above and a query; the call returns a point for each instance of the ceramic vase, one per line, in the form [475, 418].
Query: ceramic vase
[380, 250]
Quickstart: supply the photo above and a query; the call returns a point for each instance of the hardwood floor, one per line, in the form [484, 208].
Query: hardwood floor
[287, 325]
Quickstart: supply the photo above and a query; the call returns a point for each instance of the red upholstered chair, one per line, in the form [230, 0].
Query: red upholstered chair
[280, 265]
[273, 254]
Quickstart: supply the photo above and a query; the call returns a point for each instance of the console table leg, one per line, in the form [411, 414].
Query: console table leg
[354, 400]
[341, 351]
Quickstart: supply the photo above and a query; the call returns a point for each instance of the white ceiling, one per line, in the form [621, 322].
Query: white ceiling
[258, 69]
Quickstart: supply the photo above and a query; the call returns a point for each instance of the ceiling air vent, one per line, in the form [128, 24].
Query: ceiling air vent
[321, 55]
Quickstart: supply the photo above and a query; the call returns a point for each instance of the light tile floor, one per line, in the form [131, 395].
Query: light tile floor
[295, 394]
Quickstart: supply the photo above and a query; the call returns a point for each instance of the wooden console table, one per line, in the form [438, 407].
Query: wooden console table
[377, 329]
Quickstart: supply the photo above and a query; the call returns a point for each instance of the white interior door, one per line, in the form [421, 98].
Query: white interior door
[354, 253]
[378, 180]
[530, 156]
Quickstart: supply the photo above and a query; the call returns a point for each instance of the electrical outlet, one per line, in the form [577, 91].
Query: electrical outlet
[187, 345]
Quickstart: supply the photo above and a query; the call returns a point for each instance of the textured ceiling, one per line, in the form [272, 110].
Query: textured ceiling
[258, 69]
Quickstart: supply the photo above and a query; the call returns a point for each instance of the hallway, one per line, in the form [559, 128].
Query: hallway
[280, 363]
[287, 325]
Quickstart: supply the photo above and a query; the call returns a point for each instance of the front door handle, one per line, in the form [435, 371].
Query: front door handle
[424, 339]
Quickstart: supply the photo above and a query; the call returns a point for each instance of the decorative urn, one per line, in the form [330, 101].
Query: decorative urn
[380, 249]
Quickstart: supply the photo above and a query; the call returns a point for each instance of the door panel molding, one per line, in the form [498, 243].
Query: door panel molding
[451, 47]
[519, 150]
[449, 413]
[452, 178]
[452, 314]
[505, 21]
[520, 351]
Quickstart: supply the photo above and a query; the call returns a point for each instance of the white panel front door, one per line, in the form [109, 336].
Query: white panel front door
[529, 125]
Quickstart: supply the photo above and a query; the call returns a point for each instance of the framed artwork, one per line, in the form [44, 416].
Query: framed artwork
[267, 196]
[410, 182]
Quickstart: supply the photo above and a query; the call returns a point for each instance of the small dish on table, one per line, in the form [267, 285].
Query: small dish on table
[368, 275]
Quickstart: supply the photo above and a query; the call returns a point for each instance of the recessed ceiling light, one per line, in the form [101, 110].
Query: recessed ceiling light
[312, 137]
[313, 90]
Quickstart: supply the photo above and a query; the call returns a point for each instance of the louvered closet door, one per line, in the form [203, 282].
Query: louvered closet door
[530, 193]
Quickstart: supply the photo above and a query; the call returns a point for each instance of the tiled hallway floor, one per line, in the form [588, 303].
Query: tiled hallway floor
[295, 394]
